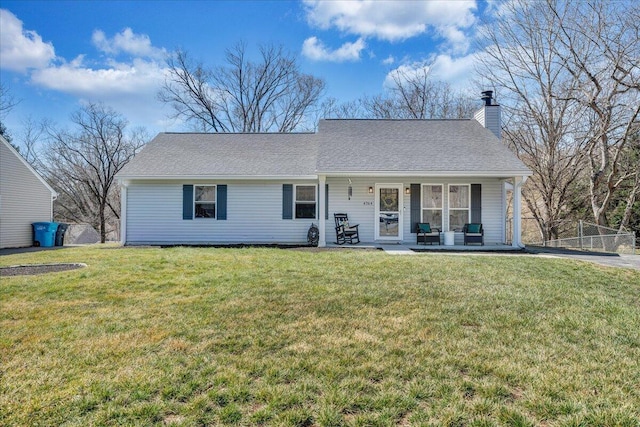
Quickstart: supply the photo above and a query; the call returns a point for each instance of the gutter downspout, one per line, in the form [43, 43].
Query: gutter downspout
[54, 197]
[123, 212]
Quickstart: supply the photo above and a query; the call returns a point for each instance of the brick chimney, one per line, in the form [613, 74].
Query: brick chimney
[489, 115]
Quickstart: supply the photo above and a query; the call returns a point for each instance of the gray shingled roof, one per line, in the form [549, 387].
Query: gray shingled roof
[225, 154]
[436, 146]
[339, 146]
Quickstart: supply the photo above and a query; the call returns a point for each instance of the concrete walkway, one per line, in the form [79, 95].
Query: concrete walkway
[13, 251]
[606, 259]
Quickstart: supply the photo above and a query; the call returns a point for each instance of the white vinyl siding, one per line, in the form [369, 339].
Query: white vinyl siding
[489, 117]
[254, 212]
[254, 215]
[24, 199]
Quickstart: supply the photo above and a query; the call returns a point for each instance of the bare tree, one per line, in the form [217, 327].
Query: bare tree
[522, 60]
[32, 135]
[411, 95]
[600, 47]
[242, 96]
[81, 165]
[331, 108]
[415, 95]
[630, 188]
[7, 102]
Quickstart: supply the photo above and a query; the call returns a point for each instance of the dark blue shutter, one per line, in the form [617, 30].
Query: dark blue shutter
[415, 207]
[287, 201]
[326, 201]
[222, 202]
[187, 202]
[476, 203]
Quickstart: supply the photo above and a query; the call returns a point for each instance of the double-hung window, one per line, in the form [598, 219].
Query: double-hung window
[305, 201]
[459, 206]
[432, 205]
[205, 201]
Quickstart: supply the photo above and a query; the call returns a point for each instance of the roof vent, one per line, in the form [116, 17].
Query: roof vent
[487, 97]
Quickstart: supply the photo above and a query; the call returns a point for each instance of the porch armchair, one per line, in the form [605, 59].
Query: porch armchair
[345, 232]
[473, 233]
[427, 234]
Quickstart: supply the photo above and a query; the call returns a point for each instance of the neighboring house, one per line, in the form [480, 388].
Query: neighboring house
[387, 175]
[25, 198]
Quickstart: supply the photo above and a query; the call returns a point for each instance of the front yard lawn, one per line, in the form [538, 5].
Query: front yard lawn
[204, 336]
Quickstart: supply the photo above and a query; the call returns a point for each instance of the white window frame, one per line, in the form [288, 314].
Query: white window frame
[195, 203]
[296, 202]
[468, 208]
[422, 208]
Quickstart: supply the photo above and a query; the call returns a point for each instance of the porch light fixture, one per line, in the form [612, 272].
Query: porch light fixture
[407, 191]
[370, 190]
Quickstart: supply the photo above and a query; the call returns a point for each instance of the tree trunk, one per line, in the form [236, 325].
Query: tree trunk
[103, 232]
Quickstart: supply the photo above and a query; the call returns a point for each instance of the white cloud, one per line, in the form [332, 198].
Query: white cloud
[389, 60]
[128, 85]
[129, 88]
[127, 41]
[21, 49]
[394, 20]
[455, 71]
[120, 78]
[314, 49]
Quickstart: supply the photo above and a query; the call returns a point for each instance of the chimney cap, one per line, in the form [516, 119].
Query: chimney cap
[487, 97]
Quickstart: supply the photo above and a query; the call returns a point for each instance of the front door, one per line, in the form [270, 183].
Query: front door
[388, 212]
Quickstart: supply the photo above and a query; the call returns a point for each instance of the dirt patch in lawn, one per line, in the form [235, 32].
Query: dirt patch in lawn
[30, 270]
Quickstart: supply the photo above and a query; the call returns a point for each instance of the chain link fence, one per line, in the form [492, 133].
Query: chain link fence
[593, 237]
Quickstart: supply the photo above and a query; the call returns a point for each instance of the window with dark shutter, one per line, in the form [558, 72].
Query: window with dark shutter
[476, 203]
[287, 201]
[187, 202]
[222, 202]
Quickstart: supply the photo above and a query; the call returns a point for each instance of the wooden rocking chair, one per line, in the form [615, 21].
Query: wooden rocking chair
[345, 232]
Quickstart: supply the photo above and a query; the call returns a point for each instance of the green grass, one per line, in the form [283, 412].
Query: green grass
[201, 336]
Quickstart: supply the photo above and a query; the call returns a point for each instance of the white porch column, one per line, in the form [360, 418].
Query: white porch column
[322, 180]
[123, 212]
[517, 211]
[505, 212]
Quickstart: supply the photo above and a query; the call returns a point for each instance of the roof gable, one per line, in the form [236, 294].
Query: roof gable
[27, 165]
[412, 146]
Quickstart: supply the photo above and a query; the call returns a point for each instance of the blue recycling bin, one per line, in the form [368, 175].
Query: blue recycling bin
[44, 234]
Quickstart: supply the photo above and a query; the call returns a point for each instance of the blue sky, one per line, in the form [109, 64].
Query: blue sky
[55, 55]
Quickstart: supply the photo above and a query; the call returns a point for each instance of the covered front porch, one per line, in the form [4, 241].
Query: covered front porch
[388, 209]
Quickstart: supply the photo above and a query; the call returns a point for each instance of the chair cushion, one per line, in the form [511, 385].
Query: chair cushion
[345, 223]
[424, 227]
[473, 228]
